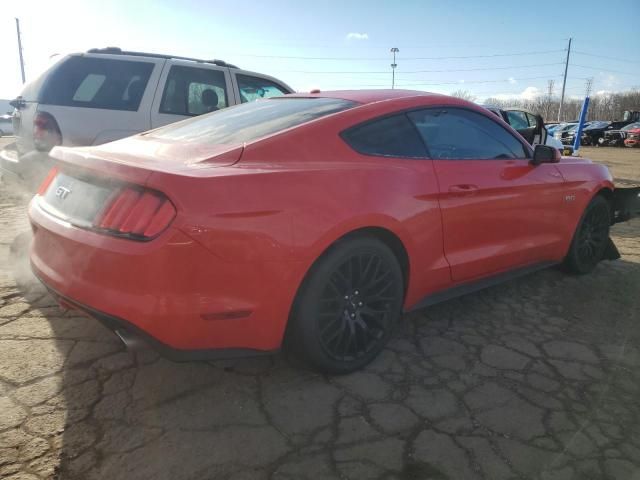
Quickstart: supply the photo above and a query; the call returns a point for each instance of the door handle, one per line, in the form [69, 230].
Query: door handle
[463, 189]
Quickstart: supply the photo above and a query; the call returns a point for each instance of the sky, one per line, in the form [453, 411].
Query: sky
[491, 48]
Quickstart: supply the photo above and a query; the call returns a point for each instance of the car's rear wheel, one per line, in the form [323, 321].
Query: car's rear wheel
[590, 238]
[346, 309]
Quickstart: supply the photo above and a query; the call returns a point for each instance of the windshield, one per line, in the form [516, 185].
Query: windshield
[250, 121]
[597, 124]
[632, 126]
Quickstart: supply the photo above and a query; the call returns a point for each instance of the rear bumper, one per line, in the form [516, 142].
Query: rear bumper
[174, 290]
[128, 333]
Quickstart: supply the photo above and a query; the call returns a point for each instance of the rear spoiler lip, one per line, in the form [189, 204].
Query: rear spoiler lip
[103, 163]
[80, 159]
[625, 204]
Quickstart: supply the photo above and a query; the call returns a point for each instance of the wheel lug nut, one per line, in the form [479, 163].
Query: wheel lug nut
[346, 297]
[353, 315]
[360, 304]
[356, 292]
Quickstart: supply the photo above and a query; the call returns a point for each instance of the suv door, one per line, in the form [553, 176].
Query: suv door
[188, 89]
[518, 120]
[249, 87]
[99, 98]
[498, 211]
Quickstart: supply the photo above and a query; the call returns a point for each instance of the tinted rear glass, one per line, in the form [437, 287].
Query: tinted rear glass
[249, 121]
[97, 83]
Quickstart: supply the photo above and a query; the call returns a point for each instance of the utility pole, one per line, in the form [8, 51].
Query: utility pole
[394, 50]
[550, 85]
[20, 49]
[564, 80]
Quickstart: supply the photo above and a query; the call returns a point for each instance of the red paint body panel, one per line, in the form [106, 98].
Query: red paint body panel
[251, 221]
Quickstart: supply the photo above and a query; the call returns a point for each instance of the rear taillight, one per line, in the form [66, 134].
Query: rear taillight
[46, 133]
[136, 213]
[44, 186]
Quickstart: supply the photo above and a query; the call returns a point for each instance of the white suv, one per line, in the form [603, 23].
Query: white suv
[107, 94]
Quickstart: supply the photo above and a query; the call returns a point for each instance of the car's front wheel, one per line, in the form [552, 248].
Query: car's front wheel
[347, 306]
[590, 238]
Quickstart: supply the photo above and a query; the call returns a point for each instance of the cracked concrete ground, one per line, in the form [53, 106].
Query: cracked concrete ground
[537, 378]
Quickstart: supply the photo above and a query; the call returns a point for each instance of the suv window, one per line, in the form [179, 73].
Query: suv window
[517, 120]
[250, 121]
[388, 137]
[193, 91]
[455, 133]
[97, 83]
[533, 122]
[254, 88]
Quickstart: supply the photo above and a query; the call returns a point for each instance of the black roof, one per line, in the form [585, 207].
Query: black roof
[119, 51]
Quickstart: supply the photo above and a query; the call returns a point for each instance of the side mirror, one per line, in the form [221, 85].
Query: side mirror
[545, 154]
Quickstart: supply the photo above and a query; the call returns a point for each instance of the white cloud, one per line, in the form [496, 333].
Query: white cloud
[512, 80]
[357, 36]
[528, 93]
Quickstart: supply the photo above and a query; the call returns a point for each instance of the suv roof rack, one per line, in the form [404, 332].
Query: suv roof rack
[119, 51]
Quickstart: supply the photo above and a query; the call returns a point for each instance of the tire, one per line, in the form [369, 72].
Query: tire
[600, 142]
[347, 307]
[590, 238]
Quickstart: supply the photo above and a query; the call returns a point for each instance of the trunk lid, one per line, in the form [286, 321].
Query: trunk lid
[87, 179]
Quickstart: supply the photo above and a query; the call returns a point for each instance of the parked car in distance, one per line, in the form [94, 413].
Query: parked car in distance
[590, 133]
[632, 138]
[107, 94]
[530, 125]
[557, 133]
[6, 126]
[599, 136]
[617, 138]
[311, 220]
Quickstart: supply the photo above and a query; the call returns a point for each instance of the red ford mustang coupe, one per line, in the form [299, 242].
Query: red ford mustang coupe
[310, 220]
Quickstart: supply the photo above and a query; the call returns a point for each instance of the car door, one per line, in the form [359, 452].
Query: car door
[518, 120]
[249, 86]
[188, 89]
[498, 211]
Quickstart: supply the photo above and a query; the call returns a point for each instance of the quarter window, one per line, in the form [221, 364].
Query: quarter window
[193, 91]
[97, 83]
[255, 88]
[388, 137]
[454, 133]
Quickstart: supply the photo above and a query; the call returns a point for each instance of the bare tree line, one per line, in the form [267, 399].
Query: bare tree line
[610, 106]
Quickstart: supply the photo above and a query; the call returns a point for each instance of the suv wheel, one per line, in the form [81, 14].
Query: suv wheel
[346, 309]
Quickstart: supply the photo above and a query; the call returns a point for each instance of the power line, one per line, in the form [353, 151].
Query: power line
[607, 57]
[603, 70]
[360, 72]
[351, 59]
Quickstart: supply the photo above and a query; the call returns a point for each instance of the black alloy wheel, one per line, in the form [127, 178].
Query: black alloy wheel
[591, 237]
[348, 306]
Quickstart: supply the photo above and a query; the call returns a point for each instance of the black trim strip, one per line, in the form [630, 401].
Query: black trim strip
[474, 286]
[176, 354]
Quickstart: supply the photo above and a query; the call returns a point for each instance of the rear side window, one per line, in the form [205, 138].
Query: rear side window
[388, 137]
[250, 121]
[255, 88]
[455, 133]
[97, 83]
[533, 122]
[193, 91]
